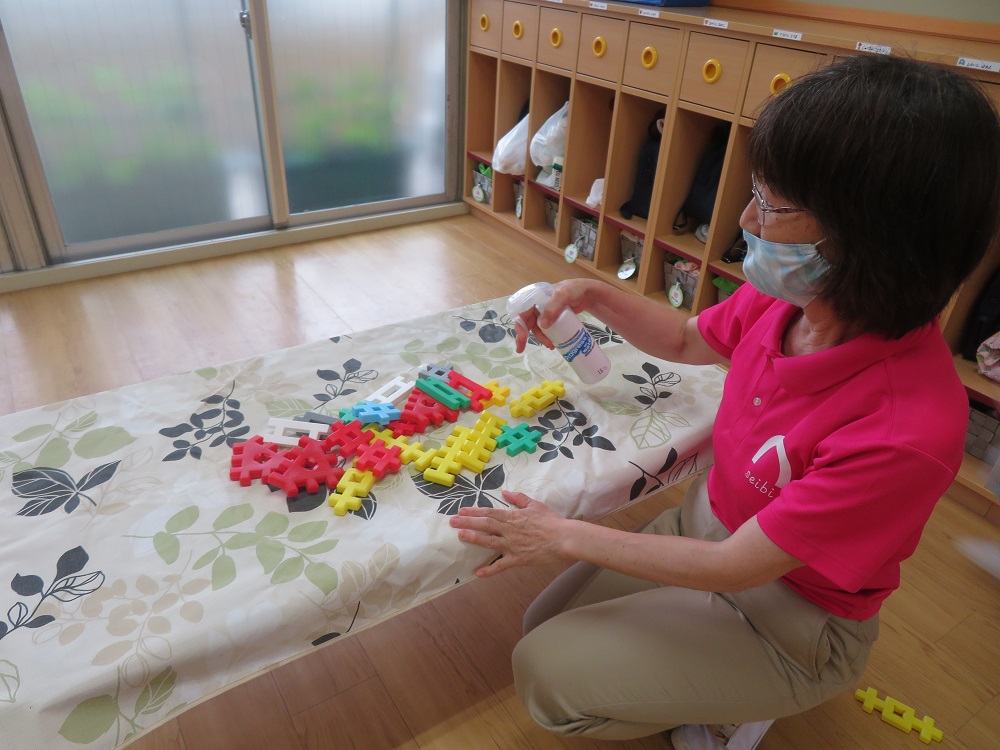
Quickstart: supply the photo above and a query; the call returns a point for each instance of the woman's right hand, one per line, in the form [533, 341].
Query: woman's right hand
[570, 294]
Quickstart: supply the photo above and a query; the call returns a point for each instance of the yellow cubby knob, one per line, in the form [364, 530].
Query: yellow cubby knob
[556, 37]
[484, 22]
[649, 58]
[711, 71]
[600, 46]
[779, 82]
[518, 29]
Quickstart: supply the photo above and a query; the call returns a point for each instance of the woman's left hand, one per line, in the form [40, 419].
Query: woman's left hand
[528, 533]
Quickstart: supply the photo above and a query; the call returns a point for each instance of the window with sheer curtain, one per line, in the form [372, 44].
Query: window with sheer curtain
[146, 118]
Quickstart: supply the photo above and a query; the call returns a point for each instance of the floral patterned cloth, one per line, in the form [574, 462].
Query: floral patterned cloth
[136, 578]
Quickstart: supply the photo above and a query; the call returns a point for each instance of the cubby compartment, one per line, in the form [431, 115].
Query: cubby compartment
[514, 98]
[541, 212]
[602, 47]
[485, 23]
[633, 165]
[694, 136]
[652, 58]
[481, 189]
[583, 232]
[616, 244]
[520, 30]
[680, 280]
[558, 38]
[591, 110]
[480, 117]
[773, 69]
[713, 71]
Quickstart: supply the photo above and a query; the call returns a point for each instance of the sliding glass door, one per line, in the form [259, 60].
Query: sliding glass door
[150, 123]
[362, 96]
[144, 119]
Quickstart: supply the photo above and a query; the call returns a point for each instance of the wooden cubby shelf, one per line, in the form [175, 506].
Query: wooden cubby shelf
[652, 66]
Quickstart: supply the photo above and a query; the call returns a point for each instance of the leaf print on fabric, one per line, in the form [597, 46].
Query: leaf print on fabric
[222, 423]
[670, 472]
[53, 445]
[466, 492]
[10, 681]
[95, 717]
[285, 550]
[564, 428]
[340, 384]
[66, 587]
[491, 327]
[652, 427]
[47, 489]
[494, 363]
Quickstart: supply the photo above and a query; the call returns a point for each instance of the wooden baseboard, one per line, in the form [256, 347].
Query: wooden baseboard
[950, 27]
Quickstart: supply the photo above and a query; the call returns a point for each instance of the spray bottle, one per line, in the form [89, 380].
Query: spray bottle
[572, 340]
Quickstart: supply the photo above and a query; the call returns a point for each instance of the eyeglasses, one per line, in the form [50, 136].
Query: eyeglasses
[764, 208]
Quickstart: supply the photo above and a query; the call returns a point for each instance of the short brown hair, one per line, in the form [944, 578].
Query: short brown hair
[898, 160]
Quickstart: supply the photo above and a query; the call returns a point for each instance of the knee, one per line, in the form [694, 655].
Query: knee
[536, 683]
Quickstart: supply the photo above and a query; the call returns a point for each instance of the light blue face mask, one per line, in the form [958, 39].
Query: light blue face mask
[784, 271]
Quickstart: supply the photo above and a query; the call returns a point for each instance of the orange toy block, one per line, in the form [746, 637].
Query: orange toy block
[537, 398]
[252, 459]
[378, 458]
[307, 466]
[353, 487]
[498, 394]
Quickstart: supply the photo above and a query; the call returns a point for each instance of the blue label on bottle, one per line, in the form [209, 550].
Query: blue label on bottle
[581, 343]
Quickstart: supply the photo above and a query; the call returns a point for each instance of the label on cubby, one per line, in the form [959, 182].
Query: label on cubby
[649, 13]
[795, 36]
[599, 6]
[554, 1]
[716, 24]
[968, 62]
[878, 49]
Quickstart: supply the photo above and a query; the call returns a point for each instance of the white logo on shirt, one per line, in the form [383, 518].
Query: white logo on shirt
[784, 467]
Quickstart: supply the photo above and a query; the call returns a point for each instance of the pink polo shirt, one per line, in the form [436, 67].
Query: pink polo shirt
[840, 454]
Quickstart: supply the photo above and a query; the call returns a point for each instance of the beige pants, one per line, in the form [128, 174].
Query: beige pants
[614, 657]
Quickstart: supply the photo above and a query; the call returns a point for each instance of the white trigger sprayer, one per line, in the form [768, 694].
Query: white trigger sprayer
[571, 338]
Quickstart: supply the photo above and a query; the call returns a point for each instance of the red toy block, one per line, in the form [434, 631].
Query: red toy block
[423, 410]
[379, 458]
[476, 393]
[307, 467]
[400, 428]
[252, 459]
[345, 439]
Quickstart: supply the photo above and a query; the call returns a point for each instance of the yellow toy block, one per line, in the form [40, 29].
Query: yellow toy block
[490, 424]
[537, 398]
[352, 488]
[408, 452]
[445, 466]
[500, 394]
[899, 715]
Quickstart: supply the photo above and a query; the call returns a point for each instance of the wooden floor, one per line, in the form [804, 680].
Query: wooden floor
[438, 677]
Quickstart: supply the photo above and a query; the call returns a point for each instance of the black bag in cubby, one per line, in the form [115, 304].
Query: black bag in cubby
[645, 173]
[700, 201]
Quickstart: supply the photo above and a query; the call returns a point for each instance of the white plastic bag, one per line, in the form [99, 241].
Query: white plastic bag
[550, 140]
[596, 194]
[512, 151]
